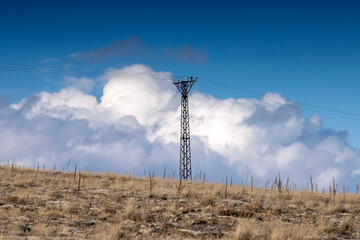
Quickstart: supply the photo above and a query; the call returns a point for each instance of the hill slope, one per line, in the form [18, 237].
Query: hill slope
[48, 204]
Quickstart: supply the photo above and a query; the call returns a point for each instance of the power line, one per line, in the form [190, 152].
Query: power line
[205, 82]
[274, 100]
[252, 93]
[68, 70]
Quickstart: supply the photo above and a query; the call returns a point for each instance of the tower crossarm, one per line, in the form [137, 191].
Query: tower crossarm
[184, 86]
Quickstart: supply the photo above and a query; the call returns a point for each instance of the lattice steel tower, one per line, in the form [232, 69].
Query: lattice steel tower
[184, 87]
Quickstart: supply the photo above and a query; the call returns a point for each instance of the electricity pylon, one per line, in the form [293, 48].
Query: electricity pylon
[184, 87]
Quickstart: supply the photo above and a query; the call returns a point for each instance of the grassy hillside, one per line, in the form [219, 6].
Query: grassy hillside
[48, 204]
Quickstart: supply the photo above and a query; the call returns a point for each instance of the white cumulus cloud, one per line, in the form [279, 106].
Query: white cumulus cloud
[83, 84]
[135, 124]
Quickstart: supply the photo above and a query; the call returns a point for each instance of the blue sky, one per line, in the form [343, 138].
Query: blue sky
[308, 51]
[304, 50]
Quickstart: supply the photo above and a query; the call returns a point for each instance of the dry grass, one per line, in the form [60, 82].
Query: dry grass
[47, 204]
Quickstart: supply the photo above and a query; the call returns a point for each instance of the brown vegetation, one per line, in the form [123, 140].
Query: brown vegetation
[45, 204]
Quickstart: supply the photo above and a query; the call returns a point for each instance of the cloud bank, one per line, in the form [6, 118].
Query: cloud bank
[135, 124]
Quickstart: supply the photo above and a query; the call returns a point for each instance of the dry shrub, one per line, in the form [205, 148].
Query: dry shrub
[120, 234]
[12, 199]
[251, 230]
[255, 230]
[346, 228]
[110, 211]
[73, 209]
[132, 212]
[207, 202]
[287, 232]
[41, 229]
[56, 195]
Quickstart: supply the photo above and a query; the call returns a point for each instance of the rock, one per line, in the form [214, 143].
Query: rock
[190, 232]
[23, 218]
[175, 225]
[7, 206]
[199, 222]
[91, 223]
[217, 233]
[24, 228]
[158, 209]
[147, 230]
